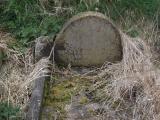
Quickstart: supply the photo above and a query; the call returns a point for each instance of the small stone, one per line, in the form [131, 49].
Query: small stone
[43, 46]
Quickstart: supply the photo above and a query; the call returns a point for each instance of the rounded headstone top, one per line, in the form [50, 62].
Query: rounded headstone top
[88, 39]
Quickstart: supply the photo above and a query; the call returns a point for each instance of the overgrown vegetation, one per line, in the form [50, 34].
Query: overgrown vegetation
[28, 19]
[125, 90]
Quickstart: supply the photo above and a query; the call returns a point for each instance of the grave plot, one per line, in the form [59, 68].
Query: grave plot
[87, 39]
[120, 88]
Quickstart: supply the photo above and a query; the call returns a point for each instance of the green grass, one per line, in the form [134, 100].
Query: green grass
[27, 21]
[8, 111]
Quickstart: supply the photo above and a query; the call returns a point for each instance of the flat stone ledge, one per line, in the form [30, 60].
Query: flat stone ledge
[36, 100]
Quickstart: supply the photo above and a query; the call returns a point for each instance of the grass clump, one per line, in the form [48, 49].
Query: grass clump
[8, 111]
[147, 8]
[84, 100]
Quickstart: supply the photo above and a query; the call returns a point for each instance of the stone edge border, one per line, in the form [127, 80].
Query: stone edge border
[36, 100]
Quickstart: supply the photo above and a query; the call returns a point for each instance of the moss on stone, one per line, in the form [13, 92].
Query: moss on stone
[60, 90]
[84, 100]
[59, 94]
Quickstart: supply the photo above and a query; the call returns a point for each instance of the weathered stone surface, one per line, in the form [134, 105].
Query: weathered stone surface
[43, 46]
[88, 39]
[35, 104]
[77, 110]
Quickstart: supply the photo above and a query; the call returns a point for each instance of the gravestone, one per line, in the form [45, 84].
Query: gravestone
[88, 39]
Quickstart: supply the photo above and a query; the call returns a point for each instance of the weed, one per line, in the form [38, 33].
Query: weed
[8, 111]
[83, 100]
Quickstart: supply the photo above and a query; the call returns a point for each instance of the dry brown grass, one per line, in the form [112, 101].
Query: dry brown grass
[133, 86]
[17, 75]
[13, 74]
[132, 90]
